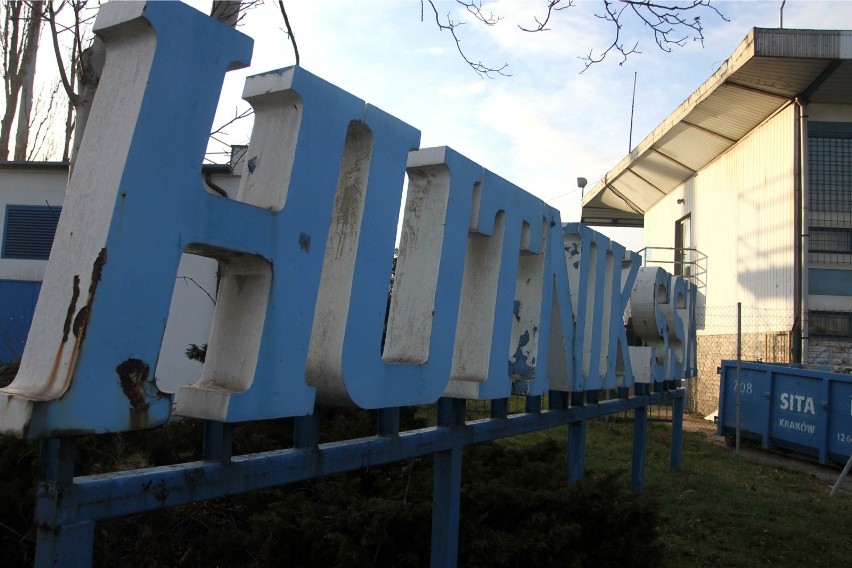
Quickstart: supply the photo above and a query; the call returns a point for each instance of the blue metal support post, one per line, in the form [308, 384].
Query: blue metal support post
[58, 544]
[218, 441]
[677, 432]
[557, 400]
[532, 404]
[576, 443]
[499, 408]
[388, 422]
[446, 492]
[306, 431]
[640, 438]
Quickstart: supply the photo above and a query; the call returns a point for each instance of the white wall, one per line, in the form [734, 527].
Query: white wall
[42, 187]
[742, 213]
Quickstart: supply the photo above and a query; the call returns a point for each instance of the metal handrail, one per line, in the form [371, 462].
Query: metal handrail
[693, 262]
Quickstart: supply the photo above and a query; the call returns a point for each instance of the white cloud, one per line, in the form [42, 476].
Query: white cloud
[470, 89]
[433, 50]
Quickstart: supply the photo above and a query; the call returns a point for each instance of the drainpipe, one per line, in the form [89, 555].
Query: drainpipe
[805, 215]
[801, 245]
[208, 179]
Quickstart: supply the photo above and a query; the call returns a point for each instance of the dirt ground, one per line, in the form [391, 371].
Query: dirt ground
[776, 457]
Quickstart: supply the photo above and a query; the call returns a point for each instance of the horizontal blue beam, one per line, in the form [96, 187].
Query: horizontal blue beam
[115, 494]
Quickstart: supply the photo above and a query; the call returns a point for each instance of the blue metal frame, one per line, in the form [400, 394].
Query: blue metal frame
[68, 506]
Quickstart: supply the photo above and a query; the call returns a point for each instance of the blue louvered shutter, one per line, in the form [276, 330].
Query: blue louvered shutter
[29, 231]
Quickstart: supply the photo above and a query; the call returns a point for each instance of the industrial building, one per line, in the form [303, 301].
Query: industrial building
[746, 188]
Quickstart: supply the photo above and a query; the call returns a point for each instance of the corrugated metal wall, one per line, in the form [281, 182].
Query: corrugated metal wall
[742, 212]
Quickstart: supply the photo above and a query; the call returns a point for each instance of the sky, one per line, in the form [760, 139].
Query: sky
[540, 128]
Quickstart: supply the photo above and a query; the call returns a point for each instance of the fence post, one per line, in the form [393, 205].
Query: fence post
[739, 365]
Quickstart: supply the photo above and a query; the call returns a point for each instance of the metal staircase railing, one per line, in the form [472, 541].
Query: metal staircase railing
[687, 262]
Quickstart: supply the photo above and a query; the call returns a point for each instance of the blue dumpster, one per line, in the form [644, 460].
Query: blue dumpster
[805, 409]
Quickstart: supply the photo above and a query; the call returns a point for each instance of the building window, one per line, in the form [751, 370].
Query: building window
[830, 168]
[29, 230]
[830, 192]
[830, 324]
[830, 239]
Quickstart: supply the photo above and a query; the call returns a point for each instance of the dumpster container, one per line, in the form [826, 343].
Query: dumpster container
[805, 409]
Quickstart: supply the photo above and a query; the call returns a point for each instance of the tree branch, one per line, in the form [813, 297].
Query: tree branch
[289, 30]
[237, 116]
[475, 9]
[63, 75]
[669, 27]
[190, 280]
[480, 68]
[232, 12]
[541, 25]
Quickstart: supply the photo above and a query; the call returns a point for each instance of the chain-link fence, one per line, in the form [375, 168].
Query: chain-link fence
[765, 336]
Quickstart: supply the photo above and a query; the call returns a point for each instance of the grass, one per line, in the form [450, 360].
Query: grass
[719, 510]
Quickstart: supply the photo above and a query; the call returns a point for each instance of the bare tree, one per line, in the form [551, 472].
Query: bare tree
[80, 81]
[671, 22]
[21, 26]
[88, 54]
[27, 87]
[668, 21]
[447, 23]
[48, 106]
[232, 12]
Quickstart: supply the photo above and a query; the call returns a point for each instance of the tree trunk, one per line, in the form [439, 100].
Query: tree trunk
[91, 66]
[227, 11]
[69, 115]
[28, 67]
[20, 44]
[11, 80]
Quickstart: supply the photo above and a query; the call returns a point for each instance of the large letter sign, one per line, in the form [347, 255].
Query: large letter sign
[601, 273]
[134, 205]
[491, 295]
[486, 294]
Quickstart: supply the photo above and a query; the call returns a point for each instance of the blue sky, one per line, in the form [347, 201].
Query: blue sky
[542, 127]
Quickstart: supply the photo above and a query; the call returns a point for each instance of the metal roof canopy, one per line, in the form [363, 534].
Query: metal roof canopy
[770, 68]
